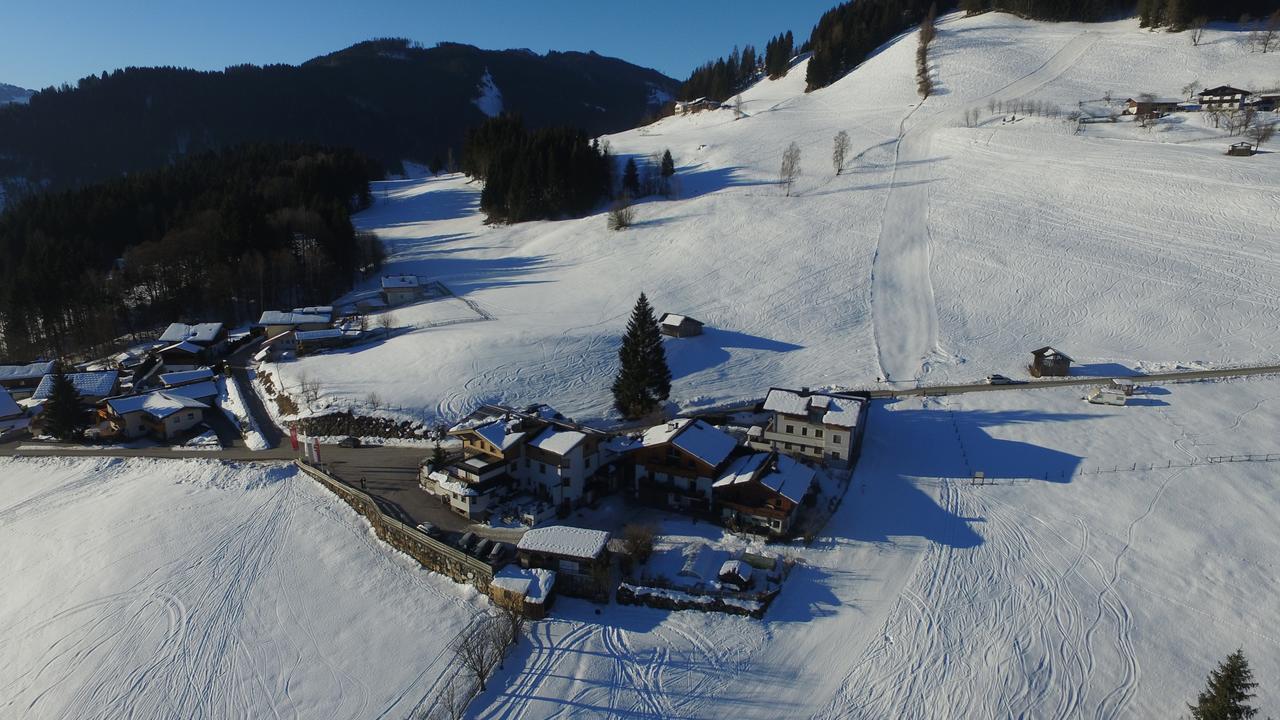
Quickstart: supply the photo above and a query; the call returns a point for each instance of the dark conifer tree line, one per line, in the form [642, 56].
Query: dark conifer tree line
[720, 79]
[217, 236]
[1173, 14]
[848, 33]
[536, 175]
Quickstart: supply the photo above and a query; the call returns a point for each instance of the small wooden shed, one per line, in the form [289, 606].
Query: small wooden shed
[679, 326]
[1048, 362]
[1241, 149]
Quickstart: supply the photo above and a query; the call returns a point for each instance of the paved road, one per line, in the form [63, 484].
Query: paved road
[239, 362]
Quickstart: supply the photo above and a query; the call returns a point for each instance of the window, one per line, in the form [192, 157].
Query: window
[190, 415]
[817, 433]
[542, 468]
[588, 462]
[835, 439]
[786, 445]
[791, 429]
[835, 455]
[804, 430]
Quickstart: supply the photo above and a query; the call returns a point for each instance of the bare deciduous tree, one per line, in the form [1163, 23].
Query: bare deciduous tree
[1190, 88]
[790, 166]
[1261, 133]
[386, 323]
[511, 620]
[1197, 28]
[373, 400]
[839, 150]
[1267, 37]
[451, 701]
[737, 107]
[479, 649]
[639, 538]
[309, 389]
[622, 214]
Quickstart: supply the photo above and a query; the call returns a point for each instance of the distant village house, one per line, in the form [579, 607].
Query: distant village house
[1048, 362]
[22, 380]
[825, 427]
[400, 289]
[679, 326]
[1223, 97]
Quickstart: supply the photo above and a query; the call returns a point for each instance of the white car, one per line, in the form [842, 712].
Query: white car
[1000, 380]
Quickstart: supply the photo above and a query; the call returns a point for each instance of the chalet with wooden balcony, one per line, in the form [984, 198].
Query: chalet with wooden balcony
[677, 462]
[763, 491]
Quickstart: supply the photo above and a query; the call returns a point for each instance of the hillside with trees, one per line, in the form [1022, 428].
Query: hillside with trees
[219, 235]
[391, 100]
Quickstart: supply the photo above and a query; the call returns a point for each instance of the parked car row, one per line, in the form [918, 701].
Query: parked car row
[481, 548]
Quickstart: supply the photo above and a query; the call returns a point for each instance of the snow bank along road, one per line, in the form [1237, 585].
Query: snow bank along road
[186, 589]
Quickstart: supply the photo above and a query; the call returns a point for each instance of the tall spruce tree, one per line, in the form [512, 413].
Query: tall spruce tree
[631, 178]
[666, 171]
[1229, 691]
[63, 417]
[644, 379]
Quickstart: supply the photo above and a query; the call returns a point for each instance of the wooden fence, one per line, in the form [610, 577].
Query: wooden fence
[433, 554]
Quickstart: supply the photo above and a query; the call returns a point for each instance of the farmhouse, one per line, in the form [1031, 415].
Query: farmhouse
[400, 289]
[275, 322]
[309, 341]
[677, 462]
[763, 491]
[161, 415]
[22, 380]
[1223, 97]
[578, 556]
[1048, 362]
[679, 326]
[1150, 107]
[685, 107]
[93, 387]
[183, 356]
[210, 336]
[822, 426]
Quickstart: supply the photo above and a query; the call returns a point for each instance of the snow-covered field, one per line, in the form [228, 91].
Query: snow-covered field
[944, 253]
[193, 589]
[1085, 595]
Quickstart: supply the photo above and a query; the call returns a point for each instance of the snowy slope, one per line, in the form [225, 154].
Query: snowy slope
[1102, 595]
[945, 252]
[165, 589]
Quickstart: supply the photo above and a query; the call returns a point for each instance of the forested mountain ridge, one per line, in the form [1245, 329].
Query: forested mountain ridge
[390, 99]
[13, 94]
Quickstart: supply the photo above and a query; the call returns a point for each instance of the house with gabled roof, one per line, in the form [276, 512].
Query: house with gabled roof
[821, 426]
[1049, 362]
[210, 336]
[677, 462]
[679, 326]
[93, 387]
[1223, 97]
[161, 415]
[10, 410]
[536, 450]
[764, 491]
[400, 289]
[22, 380]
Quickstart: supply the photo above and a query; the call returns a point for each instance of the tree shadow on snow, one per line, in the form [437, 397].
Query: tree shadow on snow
[402, 202]
[688, 356]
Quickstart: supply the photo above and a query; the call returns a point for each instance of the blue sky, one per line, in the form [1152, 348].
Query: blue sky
[48, 42]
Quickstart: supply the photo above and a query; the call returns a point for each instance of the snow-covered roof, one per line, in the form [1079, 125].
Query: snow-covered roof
[185, 347]
[313, 335]
[742, 470]
[196, 391]
[88, 384]
[558, 440]
[8, 408]
[737, 569]
[705, 442]
[565, 540]
[790, 478]
[159, 405]
[277, 317]
[836, 409]
[26, 372]
[315, 310]
[502, 432]
[201, 334]
[448, 484]
[186, 376]
[390, 282]
[534, 583]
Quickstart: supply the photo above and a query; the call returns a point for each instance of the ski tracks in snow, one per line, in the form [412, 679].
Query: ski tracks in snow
[904, 308]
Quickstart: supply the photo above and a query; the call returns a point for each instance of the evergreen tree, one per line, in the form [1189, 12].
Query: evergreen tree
[644, 379]
[63, 417]
[1229, 691]
[668, 164]
[438, 457]
[631, 178]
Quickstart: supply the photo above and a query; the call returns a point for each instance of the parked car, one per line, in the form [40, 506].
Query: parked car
[349, 442]
[466, 541]
[1000, 380]
[499, 551]
[482, 548]
[429, 530]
